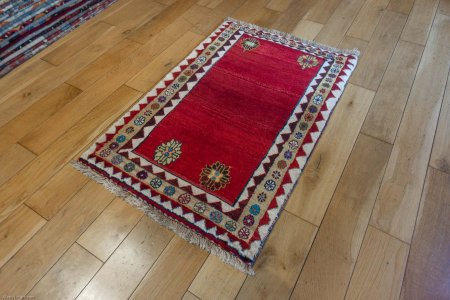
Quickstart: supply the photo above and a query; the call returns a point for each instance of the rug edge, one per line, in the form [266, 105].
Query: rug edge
[354, 51]
[159, 217]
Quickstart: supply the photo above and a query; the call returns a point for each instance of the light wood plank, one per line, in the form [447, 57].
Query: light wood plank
[278, 5]
[428, 271]
[25, 97]
[210, 3]
[202, 19]
[163, 63]
[217, 280]
[68, 276]
[440, 155]
[172, 273]
[189, 296]
[320, 177]
[339, 22]
[380, 267]
[35, 258]
[42, 168]
[39, 139]
[40, 111]
[110, 228]
[401, 6]
[289, 18]
[376, 57]
[16, 230]
[49, 199]
[307, 29]
[134, 15]
[444, 7]
[255, 12]
[419, 21]
[73, 46]
[13, 160]
[322, 10]
[102, 65]
[281, 260]
[353, 43]
[22, 76]
[397, 203]
[123, 271]
[367, 19]
[164, 19]
[341, 233]
[387, 108]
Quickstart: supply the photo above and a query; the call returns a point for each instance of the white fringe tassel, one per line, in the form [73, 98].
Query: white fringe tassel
[296, 38]
[184, 232]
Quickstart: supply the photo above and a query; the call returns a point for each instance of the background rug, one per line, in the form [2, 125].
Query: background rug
[215, 148]
[29, 26]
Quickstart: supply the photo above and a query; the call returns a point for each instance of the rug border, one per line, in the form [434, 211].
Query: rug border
[177, 227]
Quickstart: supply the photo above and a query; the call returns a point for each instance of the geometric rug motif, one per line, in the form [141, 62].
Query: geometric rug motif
[214, 150]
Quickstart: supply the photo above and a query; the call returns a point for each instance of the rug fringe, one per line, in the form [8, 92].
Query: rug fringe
[296, 38]
[182, 231]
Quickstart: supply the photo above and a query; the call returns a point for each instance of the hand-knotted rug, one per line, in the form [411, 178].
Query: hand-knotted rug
[29, 26]
[214, 150]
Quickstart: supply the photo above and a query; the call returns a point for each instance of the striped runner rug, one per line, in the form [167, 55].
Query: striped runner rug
[29, 26]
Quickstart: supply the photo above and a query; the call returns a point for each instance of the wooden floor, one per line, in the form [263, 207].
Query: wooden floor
[369, 219]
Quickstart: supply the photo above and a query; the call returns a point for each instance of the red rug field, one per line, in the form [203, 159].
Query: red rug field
[214, 150]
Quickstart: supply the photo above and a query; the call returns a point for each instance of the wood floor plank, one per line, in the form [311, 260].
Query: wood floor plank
[16, 230]
[40, 111]
[255, 12]
[134, 15]
[320, 177]
[333, 255]
[172, 273]
[145, 79]
[202, 19]
[367, 19]
[290, 17]
[339, 22]
[389, 103]
[89, 75]
[280, 263]
[68, 276]
[397, 203]
[110, 228]
[13, 160]
[380, 267]
[307, 29]
[25, 97]
[401, 6]
[353, 43]
[427, 274]
[444, 7]
[419, 21]
[189, 296]
[440, 155]
[376, 57]
[56, 192]
[42, 168]
[278, 5]
[74, 45]
[217, 280]
[322, 10]
[210, 3]
[22, 76]
[123, 271]
[37, 256]
[39, 139]
[147, 31]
